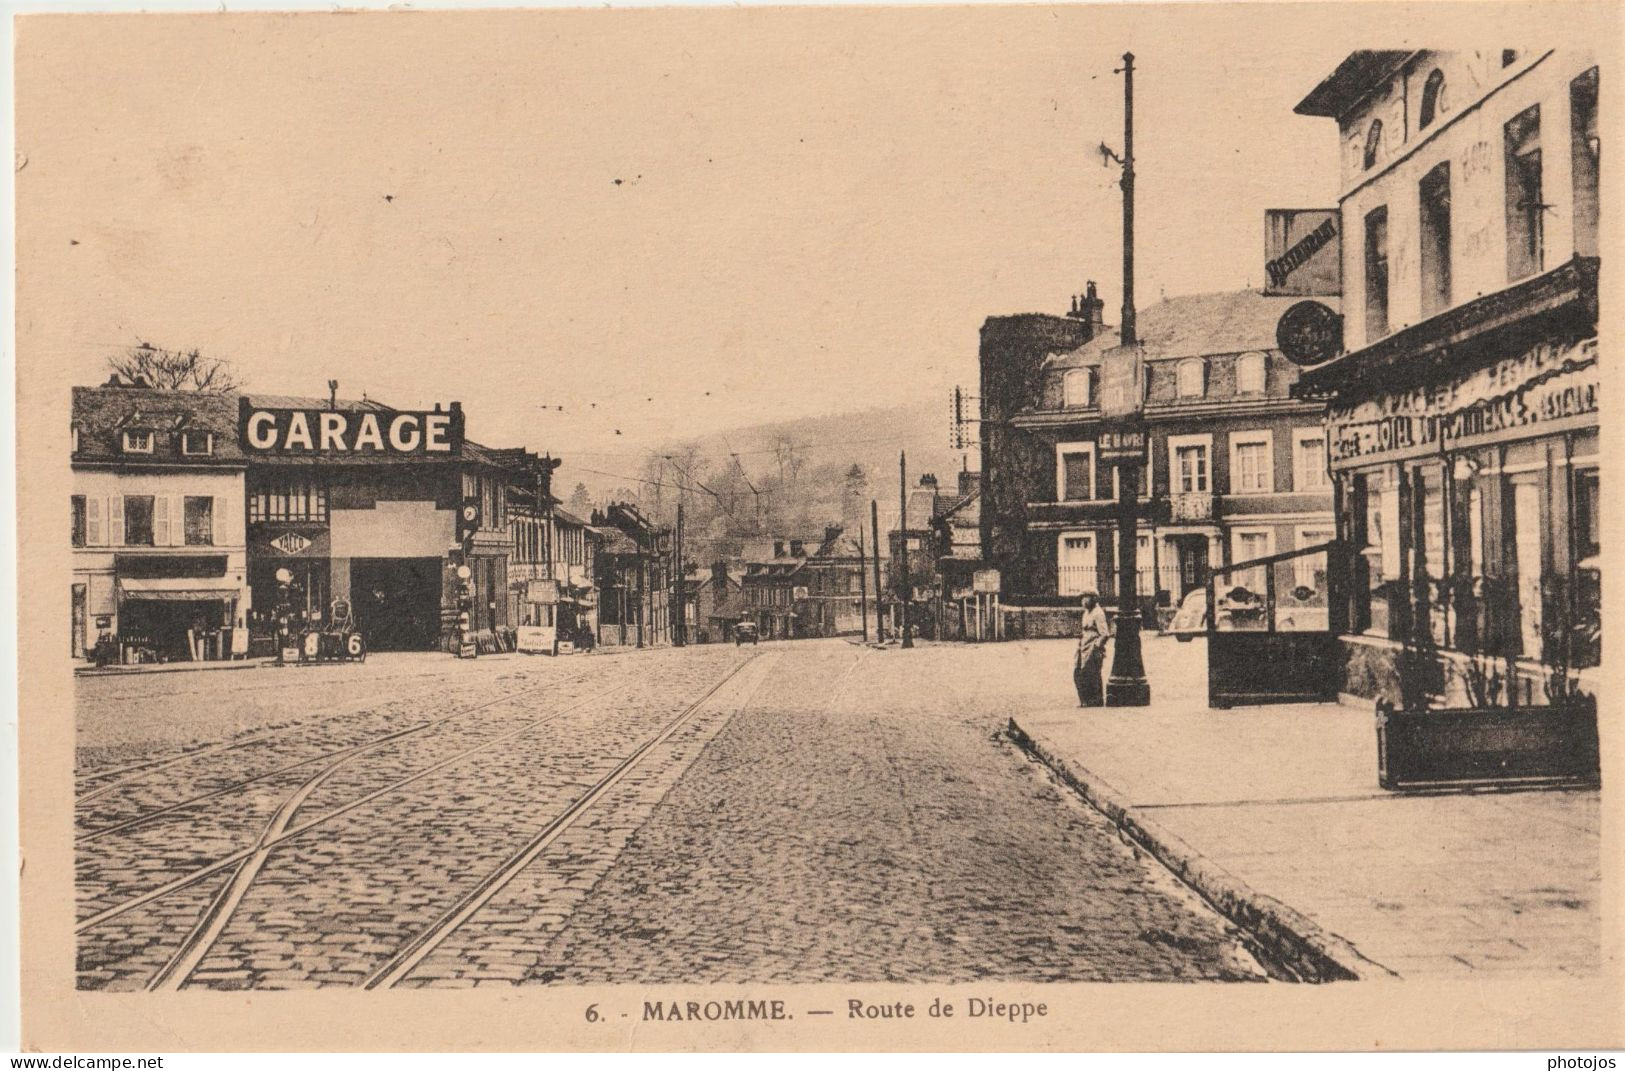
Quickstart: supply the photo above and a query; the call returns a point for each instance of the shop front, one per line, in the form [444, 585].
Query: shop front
[1471, 506]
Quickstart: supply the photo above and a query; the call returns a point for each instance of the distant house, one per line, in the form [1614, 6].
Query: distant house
[633, 571]
[711, 604]
[835, 586]
[770, 589]
[1236, 466]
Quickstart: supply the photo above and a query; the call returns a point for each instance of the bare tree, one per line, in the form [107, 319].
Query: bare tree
[175, 369]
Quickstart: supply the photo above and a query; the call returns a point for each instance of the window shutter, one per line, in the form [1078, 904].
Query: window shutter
[160, 521]
[217, 533]
[95, 534]
[115, 520]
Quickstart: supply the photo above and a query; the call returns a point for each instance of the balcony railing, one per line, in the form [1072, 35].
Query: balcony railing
[1191, 507]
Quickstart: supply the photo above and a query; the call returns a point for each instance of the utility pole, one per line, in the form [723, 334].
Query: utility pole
[903, 592]
[863, 584]
[679, 629]
[874, 529]
[1127, 686]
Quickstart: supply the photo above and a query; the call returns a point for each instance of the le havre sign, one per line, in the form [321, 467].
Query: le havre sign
[345, 432]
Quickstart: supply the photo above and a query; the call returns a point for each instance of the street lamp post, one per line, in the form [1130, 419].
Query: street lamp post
[1127, 686]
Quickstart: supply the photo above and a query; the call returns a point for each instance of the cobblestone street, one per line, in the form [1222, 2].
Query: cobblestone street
[794, 812]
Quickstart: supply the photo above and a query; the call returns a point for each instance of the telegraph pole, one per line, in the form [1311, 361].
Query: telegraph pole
[1127, 686]
[874, 529]
[679, 630]
[903, 592]
[863, 584]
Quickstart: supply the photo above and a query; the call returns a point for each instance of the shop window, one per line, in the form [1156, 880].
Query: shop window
[1373, 145]
[1435, 245]
[137, 441]
[1431, 579]
[1192, 378]
[1587, 165]
[1309, 460]
[289, 500]
[197, 443]
[1376, 532]
[1433, 100]
[1077, 475]
[1250, 373]
[1190, 475]
[199, 520]
[1525, 206]
[1376, 273]
[1250, 468]
[78, 520]
[1075, 385]
[1587, 631]
[138, 517]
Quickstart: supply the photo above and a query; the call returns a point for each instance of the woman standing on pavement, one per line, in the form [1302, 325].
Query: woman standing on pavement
[1086, 671]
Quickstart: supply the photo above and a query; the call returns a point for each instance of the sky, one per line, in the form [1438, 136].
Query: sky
[669, 223]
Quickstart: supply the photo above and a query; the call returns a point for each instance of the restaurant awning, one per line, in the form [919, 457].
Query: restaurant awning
[177, 588]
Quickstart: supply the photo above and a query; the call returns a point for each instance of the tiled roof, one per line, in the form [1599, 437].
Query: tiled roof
[1194, 325]
[102, 413]
[291, 401]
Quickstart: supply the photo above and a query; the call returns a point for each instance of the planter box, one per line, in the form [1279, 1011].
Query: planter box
[1418, 749]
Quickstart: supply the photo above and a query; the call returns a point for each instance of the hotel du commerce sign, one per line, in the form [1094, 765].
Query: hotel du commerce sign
[344, 432]
[1543, 385]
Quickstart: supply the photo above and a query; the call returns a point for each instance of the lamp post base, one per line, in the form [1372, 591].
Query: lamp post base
[1132, 692]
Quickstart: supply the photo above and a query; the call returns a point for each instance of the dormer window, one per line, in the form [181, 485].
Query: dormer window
[1076, 387]
[1250, 373]
[196, 442]
[137, 440]
[1192, 378]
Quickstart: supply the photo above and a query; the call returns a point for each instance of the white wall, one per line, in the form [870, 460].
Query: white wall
[1482, 97]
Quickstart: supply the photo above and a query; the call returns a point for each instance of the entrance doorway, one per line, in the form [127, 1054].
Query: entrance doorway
[397, 602]
[1191, 555]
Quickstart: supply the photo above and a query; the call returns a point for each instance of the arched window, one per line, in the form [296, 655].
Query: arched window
[1433, 100]
[1192, 378]
[1250, 373]
[1373, 143]
[1075, 386]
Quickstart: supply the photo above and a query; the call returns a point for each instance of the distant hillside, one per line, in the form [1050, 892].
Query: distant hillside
[788, 477]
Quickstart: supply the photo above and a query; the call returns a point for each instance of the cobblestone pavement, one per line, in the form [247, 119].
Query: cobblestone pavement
[828, 812]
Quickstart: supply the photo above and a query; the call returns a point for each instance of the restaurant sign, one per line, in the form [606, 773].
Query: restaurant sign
[1545, 384]
[1303, 256]
[341, 432]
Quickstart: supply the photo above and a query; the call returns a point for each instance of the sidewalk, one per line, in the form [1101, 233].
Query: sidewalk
[83, 669]
[1274, 813]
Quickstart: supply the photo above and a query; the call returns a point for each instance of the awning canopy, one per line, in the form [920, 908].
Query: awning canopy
[177, 589]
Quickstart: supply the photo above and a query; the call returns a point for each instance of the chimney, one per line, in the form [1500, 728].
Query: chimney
[969, 481]
[1092, 308]
[832, 532]
[798, 548]
[719, 573]
[778, 548]
[928, 480]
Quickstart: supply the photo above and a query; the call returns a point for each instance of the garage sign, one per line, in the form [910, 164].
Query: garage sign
[343, 432]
